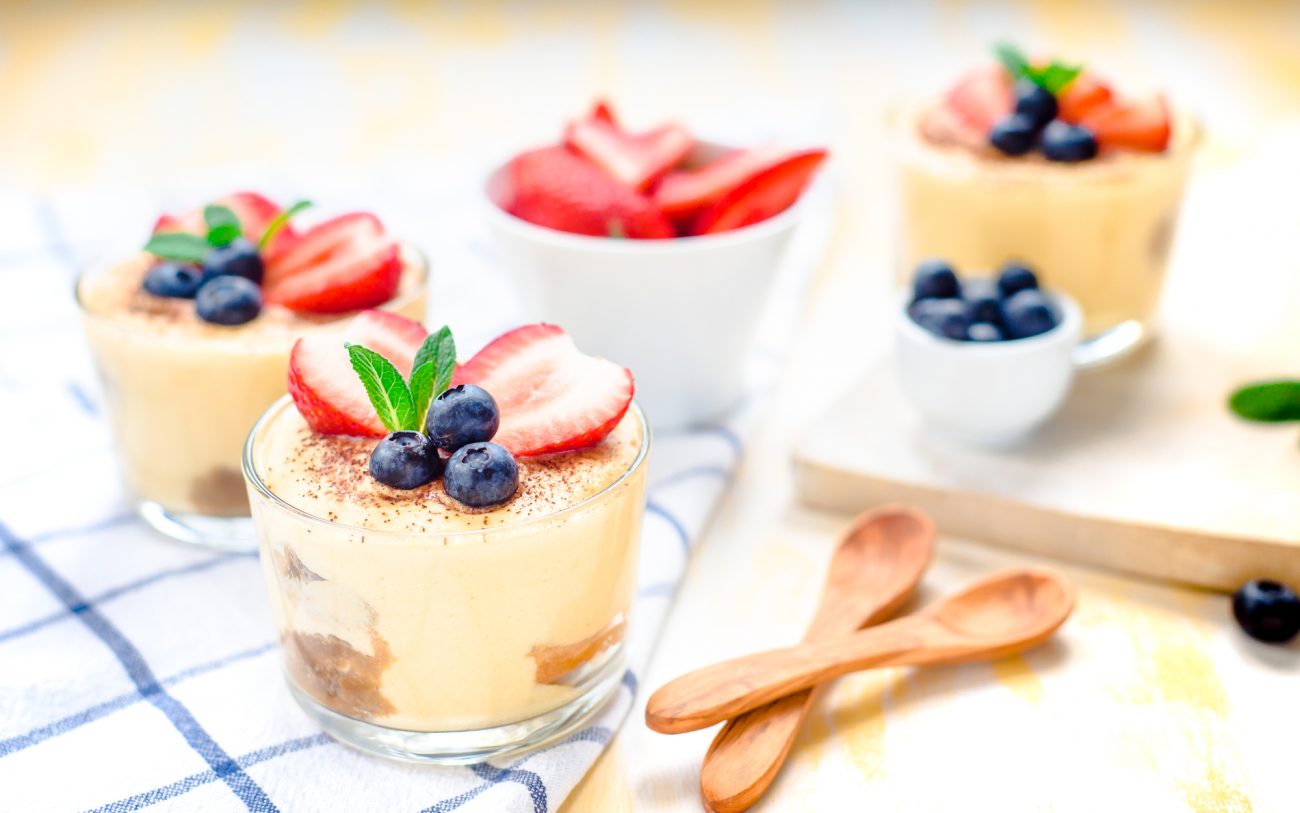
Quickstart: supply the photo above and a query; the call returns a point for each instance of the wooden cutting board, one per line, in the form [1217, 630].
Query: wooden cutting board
[1143, 471]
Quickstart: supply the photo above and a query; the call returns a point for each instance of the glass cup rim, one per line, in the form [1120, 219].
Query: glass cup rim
[252, 476]
[419, 259]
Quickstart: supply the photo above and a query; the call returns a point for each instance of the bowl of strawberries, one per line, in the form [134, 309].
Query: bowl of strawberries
[652, 247]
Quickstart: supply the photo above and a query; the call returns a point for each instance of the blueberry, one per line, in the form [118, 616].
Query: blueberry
[1035, 103]
[178, 280]
[984, 332]
[934, 279]
[481, 474]
[942, 317]
[405, 460]
[1014, 134]
[463, 414]
[1267, 611]
[1067, 142]
[1015, 277]
[228, 300]
[1026, 314]
[238, 258]
[982, 300]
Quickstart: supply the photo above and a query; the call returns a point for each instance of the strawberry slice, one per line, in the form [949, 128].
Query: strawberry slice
[1084, 95]
[325, 388]
[681, 195]
[560, 189]
[634, 160]
[764, 194]
[982, 97]
[1141, 125]
[344, 264]
[602, 111]
[553, 398]
[255, 212]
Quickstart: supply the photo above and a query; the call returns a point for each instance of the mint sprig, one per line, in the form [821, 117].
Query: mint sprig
[1054, 77]
[402, 406]
[178, 245]
[280, 221]
[1276, 401]
[223, 225]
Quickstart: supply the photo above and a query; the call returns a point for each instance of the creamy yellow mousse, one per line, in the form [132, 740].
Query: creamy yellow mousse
[410, 610]
[1100, 230]
[183, 393]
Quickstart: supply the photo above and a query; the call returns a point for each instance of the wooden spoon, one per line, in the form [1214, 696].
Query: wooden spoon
[1005, 613]
[876, 565]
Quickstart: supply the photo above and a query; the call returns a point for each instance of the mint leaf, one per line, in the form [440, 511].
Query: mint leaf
[384, 385]
[1268, 401]
[280, 220]
[422, 392]
[1056, 77]
[216, 215]
[223, 235]
[1012, 59]
[439, 349]
[178, 245]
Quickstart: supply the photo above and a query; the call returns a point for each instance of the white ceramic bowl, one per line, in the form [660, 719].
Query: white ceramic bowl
[680, 314]
[988, 393]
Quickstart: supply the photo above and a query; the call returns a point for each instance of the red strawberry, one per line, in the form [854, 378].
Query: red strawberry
[255, 213]
[344, 264]
[1142, 125]
[634, 160]
[552, 397]
[982, 97]
[603, 112]
[1084, 95]
[681, 195]
[325, 388]
[766, 193]
[558, 188]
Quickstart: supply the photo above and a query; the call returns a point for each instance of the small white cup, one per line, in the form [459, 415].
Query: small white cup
[681, 314]
[988, 393]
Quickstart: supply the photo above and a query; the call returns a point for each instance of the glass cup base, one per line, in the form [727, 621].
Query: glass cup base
[465, 747]
[226, 534]
[1111, 345]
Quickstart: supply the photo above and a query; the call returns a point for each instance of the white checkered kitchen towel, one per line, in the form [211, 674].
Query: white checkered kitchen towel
[136, 672]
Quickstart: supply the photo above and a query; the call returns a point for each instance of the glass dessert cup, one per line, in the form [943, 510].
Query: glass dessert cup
[1098, 230]
[451, 645]
[181, 401]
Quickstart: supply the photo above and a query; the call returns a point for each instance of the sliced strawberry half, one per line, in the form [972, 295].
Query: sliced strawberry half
[560, 189]
[765, 194]
[344, 264]
[1084, 95]
[553, 398]
[325, 388]
[681, 195]
[982, 97]
[1138, 125]
[635, 160]
[255, 212]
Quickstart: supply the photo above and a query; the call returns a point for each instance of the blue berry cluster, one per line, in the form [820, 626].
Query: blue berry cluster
[980, 310]
[461, 422]
[225, 289]
[1033, 123]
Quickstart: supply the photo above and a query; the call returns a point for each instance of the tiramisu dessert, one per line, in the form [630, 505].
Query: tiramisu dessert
[1044, 163]
[450, 549]
[192, 336]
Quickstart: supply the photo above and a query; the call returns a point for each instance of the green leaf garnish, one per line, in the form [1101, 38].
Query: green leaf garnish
[434, 366]
[218, 216]
[279, 221]
[178, 245]
[223, 235]
[422, 392]
[1053, 77]
[384, 385]
[1268, 401]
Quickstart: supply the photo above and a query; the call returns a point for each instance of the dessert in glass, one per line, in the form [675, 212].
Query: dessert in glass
[450, 550]
[1044, 163]
[191, 340]
[669, 227]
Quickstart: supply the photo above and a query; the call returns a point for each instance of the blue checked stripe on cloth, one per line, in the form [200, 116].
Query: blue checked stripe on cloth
[139, 673]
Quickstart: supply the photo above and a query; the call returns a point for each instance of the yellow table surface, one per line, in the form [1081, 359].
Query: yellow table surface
[1149, 699]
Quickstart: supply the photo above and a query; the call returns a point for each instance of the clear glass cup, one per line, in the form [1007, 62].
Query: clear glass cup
[1099, 231]
[451, 646]
[180, 404]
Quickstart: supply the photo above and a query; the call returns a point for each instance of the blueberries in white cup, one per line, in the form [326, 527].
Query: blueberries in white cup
[1009, 307]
